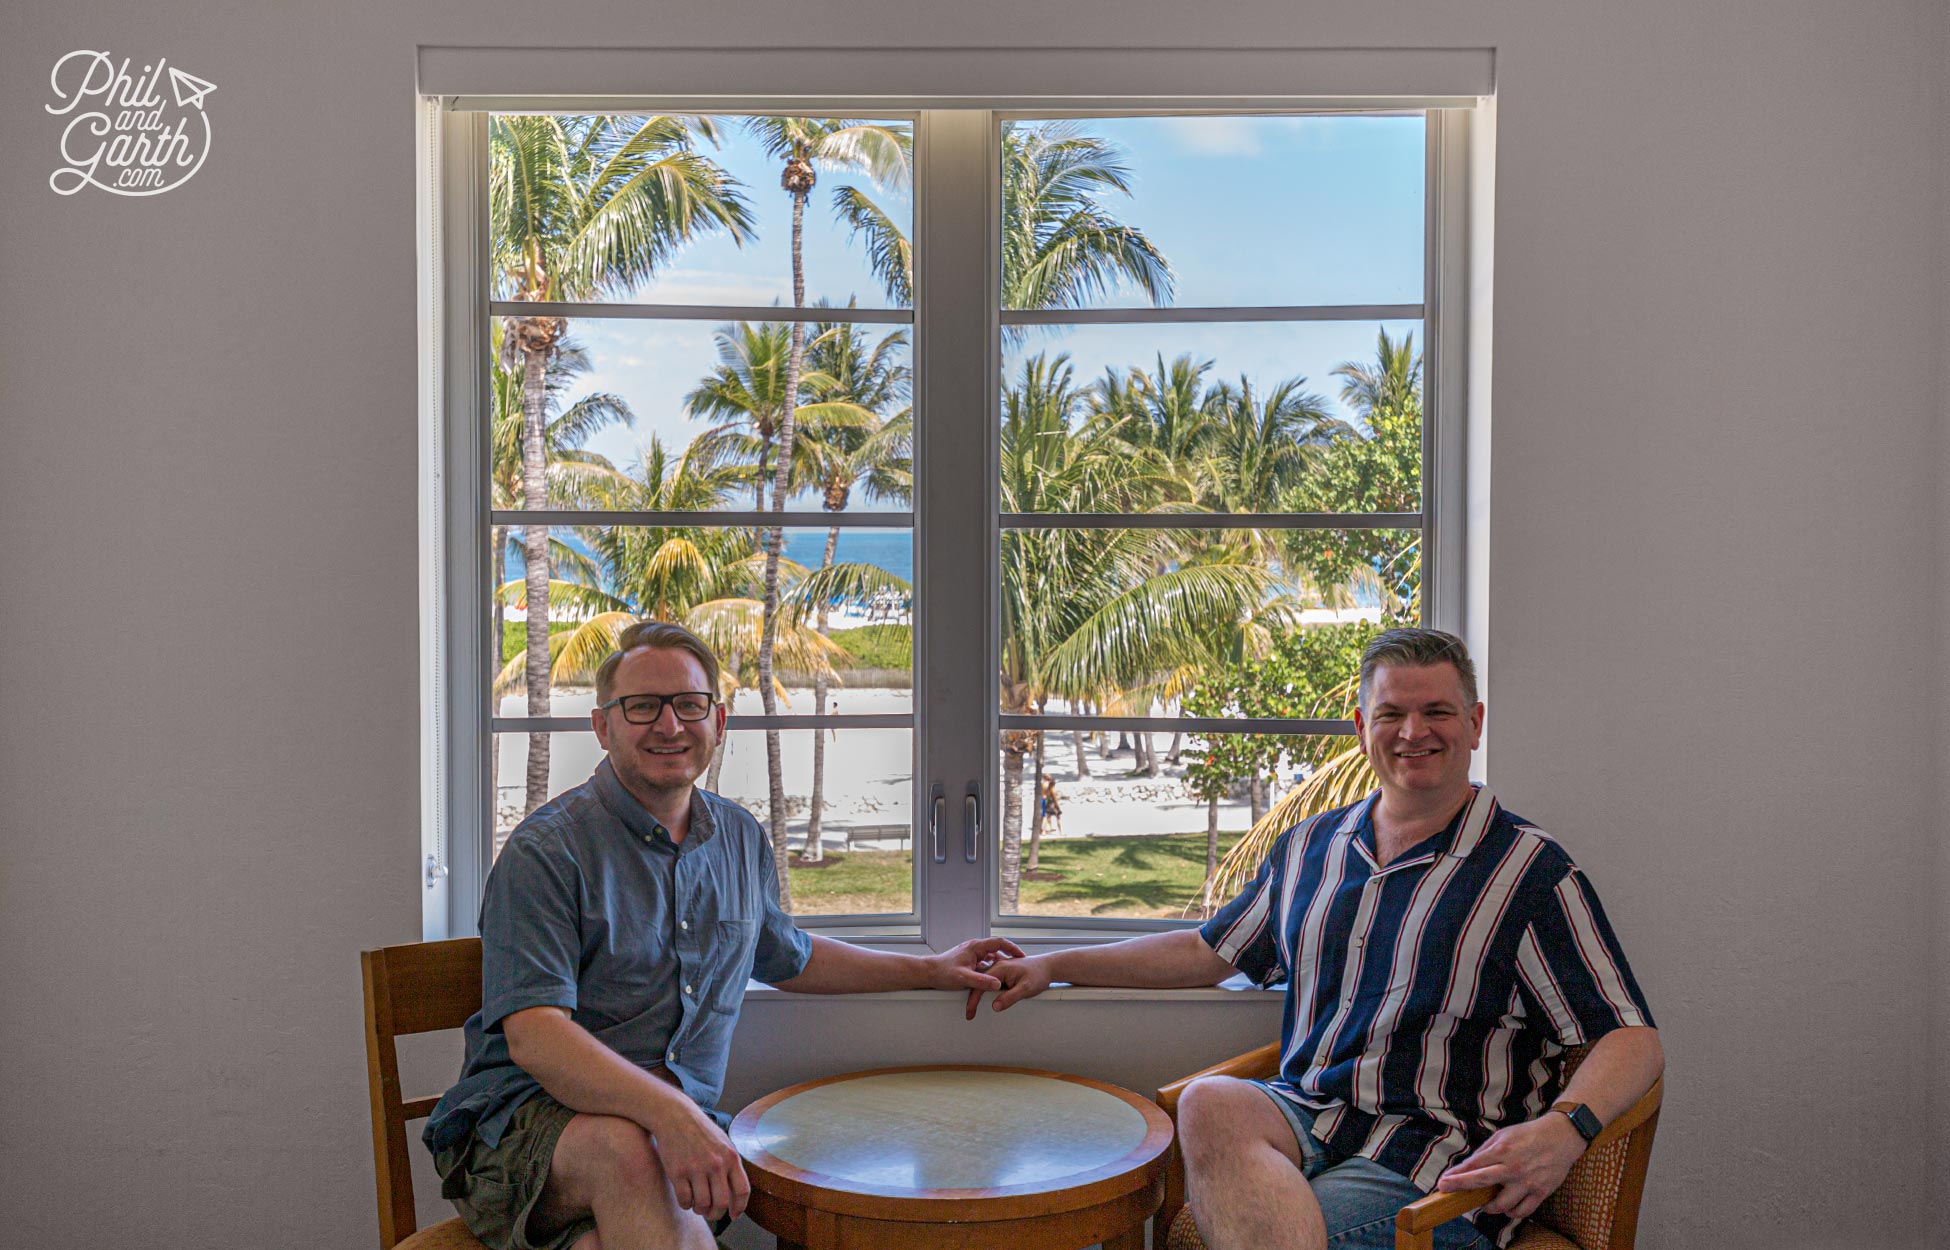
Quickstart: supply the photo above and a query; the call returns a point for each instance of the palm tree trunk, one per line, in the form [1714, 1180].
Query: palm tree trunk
[534, 539]
[818, 800]
[1083, 765]
[774, 546]
[1257, 789]
[1011, 829]
[1036, 825]
[1151, 765]
[1177, 746]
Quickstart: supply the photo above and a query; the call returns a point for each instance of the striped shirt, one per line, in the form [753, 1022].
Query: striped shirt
[1429, 1001]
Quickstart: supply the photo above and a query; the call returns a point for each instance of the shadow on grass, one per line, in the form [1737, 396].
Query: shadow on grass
[1112, 875]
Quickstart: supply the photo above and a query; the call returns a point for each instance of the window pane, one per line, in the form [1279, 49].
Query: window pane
[1126, 622]
[864, 779]
[847, 624]
[1122, 842]
[734, 244]
[684, 416]
[1213, 211]
[1258, 417]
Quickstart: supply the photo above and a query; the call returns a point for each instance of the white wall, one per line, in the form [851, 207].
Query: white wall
[1940, 999]
[1721, 275]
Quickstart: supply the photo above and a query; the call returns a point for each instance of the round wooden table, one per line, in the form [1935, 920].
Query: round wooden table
[972, 1158]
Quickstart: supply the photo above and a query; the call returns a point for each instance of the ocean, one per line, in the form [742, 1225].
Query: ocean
[892, 550]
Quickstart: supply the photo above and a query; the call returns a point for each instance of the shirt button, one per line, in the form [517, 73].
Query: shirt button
[648, 838]
[690, 991]
[684, 924]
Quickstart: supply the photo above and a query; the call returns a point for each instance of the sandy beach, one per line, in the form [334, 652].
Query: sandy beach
[869, 773]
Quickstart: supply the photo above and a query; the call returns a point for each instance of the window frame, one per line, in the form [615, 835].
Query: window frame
[956, 713]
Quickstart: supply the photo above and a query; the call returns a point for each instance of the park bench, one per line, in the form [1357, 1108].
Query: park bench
[878, 833]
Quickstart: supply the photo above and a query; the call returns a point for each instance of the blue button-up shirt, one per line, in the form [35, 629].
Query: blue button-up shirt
[647, 943]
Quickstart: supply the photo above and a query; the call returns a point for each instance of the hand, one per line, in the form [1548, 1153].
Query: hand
[967, 966]
[1017, 978]
[1527, 1161]
[703, 1167]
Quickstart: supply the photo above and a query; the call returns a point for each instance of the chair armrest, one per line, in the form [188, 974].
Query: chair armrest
[1254, 1064]
[1426, 1214]
[1415, 1222]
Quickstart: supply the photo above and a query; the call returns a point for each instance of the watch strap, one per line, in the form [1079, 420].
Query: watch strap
[1582, 1119]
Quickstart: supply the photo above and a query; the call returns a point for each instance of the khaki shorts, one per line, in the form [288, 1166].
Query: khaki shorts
[497, 1188]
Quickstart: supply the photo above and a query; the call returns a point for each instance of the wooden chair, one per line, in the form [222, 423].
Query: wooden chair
[420, 988]
[1597, 1207]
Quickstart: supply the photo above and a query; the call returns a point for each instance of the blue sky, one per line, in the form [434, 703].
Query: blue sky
[1248, 210]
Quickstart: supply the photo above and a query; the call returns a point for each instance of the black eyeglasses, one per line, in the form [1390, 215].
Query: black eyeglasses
[644, 709]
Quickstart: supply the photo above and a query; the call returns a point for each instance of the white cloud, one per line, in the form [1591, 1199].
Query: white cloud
[1220, 136]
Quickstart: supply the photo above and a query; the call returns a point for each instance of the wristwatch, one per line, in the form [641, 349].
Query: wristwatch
[1581, 1119]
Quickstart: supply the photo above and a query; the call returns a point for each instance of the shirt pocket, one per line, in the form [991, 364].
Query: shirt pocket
[731, 958]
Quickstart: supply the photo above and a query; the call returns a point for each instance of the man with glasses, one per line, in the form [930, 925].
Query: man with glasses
[620, 925]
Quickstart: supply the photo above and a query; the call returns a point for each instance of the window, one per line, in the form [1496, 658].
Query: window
[1112, 436]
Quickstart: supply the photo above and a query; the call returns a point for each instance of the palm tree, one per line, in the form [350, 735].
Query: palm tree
[876, 455]
[1393, 380]
[567, 465]
[626, 573]
[1169, 415]
[744, 399]
[1380, 472]
[580, 208]
[1089, 614]
[1060, 247]
[885, 154]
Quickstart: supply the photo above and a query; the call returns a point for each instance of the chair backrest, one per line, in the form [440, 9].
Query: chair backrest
[1597, 1206]
[419, 988]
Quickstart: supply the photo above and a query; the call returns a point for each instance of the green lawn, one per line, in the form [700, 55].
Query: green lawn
[514, 636]
[878, 646]
[1127, 876]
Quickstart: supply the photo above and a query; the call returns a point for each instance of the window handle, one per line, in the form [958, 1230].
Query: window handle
[971, 823]
[935, 804]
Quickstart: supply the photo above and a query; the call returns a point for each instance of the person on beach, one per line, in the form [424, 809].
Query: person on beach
[1052, 807]
[619, 927]
[1439, 953]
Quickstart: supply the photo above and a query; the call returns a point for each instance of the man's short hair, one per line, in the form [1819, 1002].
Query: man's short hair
[1417, 648]
[660, 634]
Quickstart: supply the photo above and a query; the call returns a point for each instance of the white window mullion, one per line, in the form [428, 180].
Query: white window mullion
[957, 350]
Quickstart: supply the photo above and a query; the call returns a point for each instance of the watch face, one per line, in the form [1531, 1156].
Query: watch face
[1585, 1121]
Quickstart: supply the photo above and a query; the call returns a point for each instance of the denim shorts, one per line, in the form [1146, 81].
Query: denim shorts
[1359, 1197]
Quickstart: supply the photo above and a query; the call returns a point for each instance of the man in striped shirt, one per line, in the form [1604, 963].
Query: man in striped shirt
[1439, 954]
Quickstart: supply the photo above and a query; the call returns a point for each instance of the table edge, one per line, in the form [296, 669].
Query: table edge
[1143, 1165]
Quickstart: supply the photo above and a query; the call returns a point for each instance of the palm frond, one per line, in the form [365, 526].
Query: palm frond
[1343, 779]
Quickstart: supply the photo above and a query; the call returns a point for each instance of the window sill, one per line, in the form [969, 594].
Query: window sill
[1236, 989]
